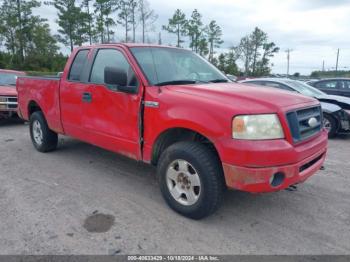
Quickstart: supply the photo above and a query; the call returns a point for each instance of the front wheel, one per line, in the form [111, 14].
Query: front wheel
[330, 124]
[191, 179]
[43, 138]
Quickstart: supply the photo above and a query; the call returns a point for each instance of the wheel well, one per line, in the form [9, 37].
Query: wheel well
[174, 135]
[336, 120]
[33, 107]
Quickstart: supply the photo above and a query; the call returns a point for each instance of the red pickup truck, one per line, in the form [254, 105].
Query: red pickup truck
[8, 93]
[171, 108]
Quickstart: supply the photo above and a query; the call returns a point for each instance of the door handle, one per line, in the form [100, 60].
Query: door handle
[87, 97]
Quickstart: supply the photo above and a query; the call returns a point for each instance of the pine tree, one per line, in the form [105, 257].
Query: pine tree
[195, 30]
[104, 22]
[89, 18]
[177, 25]
[26, 38]
[214, 33]
[72, 23]
[257, 38]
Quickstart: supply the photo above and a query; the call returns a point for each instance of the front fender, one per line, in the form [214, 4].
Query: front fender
[329, 108]
[211, 125]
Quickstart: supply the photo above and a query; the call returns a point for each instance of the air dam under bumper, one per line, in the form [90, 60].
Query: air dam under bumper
[270, 179]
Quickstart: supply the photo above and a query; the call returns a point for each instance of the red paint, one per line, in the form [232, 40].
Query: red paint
[9, 91]
[112, 119]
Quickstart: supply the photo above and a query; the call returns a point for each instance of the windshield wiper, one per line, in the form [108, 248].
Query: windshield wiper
[218, 81]
[176, 82]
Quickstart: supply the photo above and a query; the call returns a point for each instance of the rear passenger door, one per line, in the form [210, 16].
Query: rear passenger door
[345, 90]
[72, 89]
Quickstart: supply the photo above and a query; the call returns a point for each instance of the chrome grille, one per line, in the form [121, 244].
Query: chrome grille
[8, 102]
[305, 123]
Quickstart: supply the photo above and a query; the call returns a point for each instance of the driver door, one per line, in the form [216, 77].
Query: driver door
[110, 116]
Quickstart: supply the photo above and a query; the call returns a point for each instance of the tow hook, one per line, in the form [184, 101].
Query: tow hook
[292, 188]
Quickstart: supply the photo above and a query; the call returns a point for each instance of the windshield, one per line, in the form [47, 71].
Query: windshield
[305, 89]
[7, 79]
[175, 66]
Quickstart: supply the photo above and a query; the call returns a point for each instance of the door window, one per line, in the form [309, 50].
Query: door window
[254, 83]
[76, 70]
[111, 58]
[332, 84]
[278, 85]
[346, 85]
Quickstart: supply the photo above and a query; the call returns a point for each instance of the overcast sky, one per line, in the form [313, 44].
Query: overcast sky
[313, 29]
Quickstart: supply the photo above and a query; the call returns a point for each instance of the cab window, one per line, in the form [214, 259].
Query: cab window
[76, 70]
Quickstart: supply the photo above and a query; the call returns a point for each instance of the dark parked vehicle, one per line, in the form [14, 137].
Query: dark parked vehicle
[336, 109]
[333, 86]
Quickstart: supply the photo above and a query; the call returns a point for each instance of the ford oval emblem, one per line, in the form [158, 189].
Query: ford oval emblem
[312, 122]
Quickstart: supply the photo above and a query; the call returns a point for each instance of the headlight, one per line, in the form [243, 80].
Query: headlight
[257, 127]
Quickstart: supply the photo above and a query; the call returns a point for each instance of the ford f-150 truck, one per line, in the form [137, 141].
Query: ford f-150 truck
[8, 93]
[171, 108]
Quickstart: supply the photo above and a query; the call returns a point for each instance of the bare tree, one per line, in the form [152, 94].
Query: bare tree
[125, 18]
[133, 9]
[147, 17]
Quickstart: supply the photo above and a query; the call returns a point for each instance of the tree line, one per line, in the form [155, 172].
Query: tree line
[27, 43]
[254, 50]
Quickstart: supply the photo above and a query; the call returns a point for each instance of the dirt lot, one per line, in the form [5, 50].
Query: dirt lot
[50, 202]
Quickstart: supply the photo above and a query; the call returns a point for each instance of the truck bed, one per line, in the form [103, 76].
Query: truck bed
[32, 90]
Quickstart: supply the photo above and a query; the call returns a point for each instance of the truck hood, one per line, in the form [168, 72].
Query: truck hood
[8, 91]
[229, 92]
[341, 101]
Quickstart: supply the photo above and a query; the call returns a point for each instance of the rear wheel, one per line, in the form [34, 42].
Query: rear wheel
[43, 138]
[191, 179]
[330, 124]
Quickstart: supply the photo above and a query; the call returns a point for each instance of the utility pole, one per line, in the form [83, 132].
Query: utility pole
[336, 65]
[159, 38]
[288, 58]
[323, 66]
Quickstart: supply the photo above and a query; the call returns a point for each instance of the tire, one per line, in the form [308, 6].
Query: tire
[43, 139]
[330, 124]
[201, 164]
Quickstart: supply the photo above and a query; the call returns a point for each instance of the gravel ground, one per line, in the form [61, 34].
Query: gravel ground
[84, 200]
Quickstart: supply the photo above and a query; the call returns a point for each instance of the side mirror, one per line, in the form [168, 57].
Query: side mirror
[117, 79]
[115, 76]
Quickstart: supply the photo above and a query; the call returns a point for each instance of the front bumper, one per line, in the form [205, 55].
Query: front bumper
[259, 179]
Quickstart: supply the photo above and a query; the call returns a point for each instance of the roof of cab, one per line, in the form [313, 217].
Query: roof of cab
[12, 72]
[128, 45]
